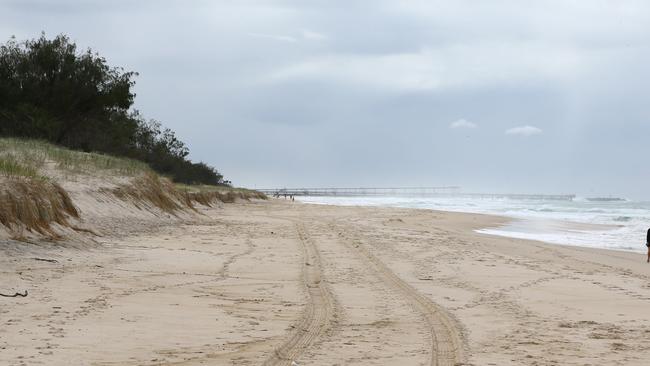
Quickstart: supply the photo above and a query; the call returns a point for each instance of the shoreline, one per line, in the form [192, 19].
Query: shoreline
[529, 228]
[506, 231]
[318, 284]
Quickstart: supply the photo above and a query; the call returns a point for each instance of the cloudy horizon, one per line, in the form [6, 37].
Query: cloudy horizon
[504, 96]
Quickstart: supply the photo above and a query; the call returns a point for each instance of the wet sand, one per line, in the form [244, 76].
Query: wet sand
[270, 283]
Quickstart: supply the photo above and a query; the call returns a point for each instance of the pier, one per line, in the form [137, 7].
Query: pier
[361, 191]
[446, 191]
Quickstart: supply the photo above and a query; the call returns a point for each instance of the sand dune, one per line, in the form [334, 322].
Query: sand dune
[271, 283]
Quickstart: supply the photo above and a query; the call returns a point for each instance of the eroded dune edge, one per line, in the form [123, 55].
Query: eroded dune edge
[274, 282]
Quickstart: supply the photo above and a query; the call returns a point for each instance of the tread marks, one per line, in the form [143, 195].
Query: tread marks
[446, 337]
[318, 313]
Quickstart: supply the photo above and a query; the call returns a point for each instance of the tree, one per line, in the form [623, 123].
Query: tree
[60, 95]
[50, 91]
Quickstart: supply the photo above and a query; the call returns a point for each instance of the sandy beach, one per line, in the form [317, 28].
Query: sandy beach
[271, 283]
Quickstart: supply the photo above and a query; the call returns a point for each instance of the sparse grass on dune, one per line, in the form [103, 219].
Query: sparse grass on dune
[32, 201]
[162, 193]
[34, 205]
[11, 167]
[34, 154]
[206, 195]
[157, 191]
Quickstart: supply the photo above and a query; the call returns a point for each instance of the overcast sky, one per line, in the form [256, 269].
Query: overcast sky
[502, 96]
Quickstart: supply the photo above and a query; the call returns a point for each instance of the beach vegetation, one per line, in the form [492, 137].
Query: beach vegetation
[11, 167]
[31, 200]
[34, 205]
[28, 157]
[52, 91]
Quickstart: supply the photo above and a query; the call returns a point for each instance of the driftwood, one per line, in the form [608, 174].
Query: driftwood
[46, 260]
[15, 295]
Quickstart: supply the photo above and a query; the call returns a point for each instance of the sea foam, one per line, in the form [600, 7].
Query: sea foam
[620, 225]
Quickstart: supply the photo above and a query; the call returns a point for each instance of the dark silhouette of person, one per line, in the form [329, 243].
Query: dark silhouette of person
[647, 244]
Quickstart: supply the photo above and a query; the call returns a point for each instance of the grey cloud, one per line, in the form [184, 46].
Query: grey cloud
[315, 93]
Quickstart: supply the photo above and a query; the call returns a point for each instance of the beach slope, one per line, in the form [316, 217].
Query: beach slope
[271, 283]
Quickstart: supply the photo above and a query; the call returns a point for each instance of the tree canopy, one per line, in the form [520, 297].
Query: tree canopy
[52, 91]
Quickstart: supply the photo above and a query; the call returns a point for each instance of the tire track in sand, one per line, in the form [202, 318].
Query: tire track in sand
[446, 337]
[317, 317]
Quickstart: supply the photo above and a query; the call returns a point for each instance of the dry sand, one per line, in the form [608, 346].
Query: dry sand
[268, 283]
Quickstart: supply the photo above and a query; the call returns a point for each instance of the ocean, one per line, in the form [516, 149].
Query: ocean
[617, 225]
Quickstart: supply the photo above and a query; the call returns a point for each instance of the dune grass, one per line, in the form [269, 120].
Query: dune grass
[154, 190]
[205, 195]
[34, 205]
[11, 167]
[24, 157]
[31, 200]
[160, 192]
